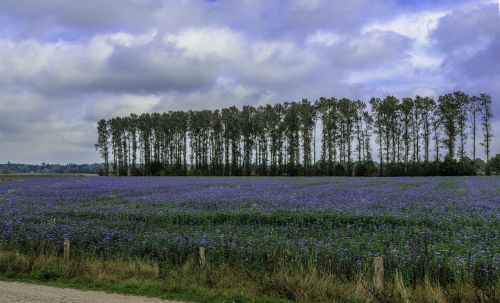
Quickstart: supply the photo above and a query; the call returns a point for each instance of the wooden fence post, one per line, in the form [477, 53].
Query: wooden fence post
[378, 274]
[202, 258]
[66, 249]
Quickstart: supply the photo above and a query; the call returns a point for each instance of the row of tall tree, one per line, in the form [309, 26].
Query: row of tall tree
[410, 134]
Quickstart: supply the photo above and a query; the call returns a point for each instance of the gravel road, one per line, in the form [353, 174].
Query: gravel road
[30, 293]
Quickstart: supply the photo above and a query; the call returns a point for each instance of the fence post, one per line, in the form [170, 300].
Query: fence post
[378, 274]
[202, 258]
[66, 249]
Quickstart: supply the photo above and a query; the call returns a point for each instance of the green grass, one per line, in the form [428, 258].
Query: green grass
[448, 183]
[155, 288]
[192, 282]
[406, 186]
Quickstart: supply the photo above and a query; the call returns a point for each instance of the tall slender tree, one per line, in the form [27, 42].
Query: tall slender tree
[292, 123]
[103, 144]
[280, 139]
[436, 131]
[417, 112]
[376, 105]
[307, 116]
[449, 109]
[406, 109]
[474, 110]
[462, 100]
[247, 130]
[427, 109]
[487, 115]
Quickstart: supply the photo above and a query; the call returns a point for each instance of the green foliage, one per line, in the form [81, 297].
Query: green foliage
[18, 168]
[280, 139]
[495, 164]
[365, 169]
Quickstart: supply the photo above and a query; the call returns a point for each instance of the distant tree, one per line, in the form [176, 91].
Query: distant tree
[292, 124]
[144, 126]
[359, 109]
[436, 130]
[280, 139]
[487, 116]
[216, 144]
[376, 105]
[46, 168]
[247, 130]
[307, 116]
[463, 103]
[367, 133]
[389, 108]
[273, 120]
[474, 109]
[132, 129]
[227, 118]
[347, 113]
[103, 144]
[427, 109]
[406, 109]
[417, 113]
[261, 140]
[449, 110]
[234, 129]
[495, 164]
[327, 109]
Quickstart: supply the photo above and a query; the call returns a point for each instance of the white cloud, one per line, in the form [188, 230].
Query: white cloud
[323, 38]
[122, 105]
[207, 44]
[128, 40]
[421, 58]
[47, 64]
[376, 48]
[416, 26]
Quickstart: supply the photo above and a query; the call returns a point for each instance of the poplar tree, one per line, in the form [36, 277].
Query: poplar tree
[280, 139]
[449, 109]
[307, 116]
[427, 109]
[474, 109]
[102, 144]
[406, 109]
[462, 101]
[487, 115]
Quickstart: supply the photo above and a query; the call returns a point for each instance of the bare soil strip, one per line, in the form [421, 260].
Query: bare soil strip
[22, 292]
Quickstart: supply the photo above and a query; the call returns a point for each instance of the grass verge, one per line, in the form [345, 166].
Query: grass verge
[223, 283]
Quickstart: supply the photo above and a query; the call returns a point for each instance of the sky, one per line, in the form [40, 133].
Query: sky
[66, 64]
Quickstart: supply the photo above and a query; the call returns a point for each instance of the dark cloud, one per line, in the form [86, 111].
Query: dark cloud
[470, 41]
[149, 70]
[294, 19]
[52, 18]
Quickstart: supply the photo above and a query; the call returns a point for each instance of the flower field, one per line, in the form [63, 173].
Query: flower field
[445, 227]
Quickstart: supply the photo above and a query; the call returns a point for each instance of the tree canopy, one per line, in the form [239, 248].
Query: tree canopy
[280, 139]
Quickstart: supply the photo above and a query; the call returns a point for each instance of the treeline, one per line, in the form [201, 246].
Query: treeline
[18, 168]
[410, 137]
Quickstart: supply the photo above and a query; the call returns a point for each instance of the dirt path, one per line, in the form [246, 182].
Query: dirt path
[22, 292]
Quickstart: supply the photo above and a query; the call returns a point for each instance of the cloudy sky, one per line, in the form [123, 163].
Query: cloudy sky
[65, 64]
